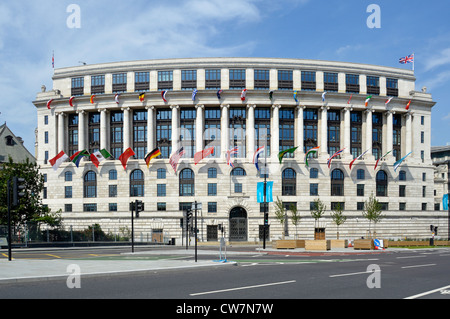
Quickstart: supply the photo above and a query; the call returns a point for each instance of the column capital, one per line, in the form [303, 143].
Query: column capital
[103, 110]
[348, 108]
[368, 111]
[82, 112]
[150, 107]
[251, 106]
[60, 113]
[224, 106]
[276, 106]
[199, 106]
[325, 107]
[300, 107]
[126, 108]
[174, 107]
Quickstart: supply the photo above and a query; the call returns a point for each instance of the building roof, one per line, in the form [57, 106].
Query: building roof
[11, 145]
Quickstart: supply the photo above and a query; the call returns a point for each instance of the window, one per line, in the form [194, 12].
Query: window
[402, 176]
[262, 129]
[98, 84]
[212, 130]
[112, 191]
[90, 185]
[212, 79]
[337, 183]
[238, 187]
[68, 208]
[360, 190]
[424, 177]
[310, 130]
[360, 206]
[119, 84]
[187, 131]
[237, 79]
[137, 183]
[187, 183]
[285, 80]
[10, 140]
[330, 81]
[73, 134]
[424, 206]
[352, 83]
[94, 132]
[46, 120]
[401, 190]
[161, 207]
[377, 134]
[68, 176]
[424, 191]
[165, 80]
[212, 189]
[373, 85]
[422, 137]
[161, 173]
[212, 207]
[360, 174]
[313, 189]
[402, 206]
[391, 87]
[112, 207]
[68, 192]
[113, 175]
[314, 173]
[161, 190]
[382, 183]
[289, 182]
[308, 81]
[77, 86]
[116, 137]
[238, 172]
[334, 126]
[141, 81]
[140, 133]
[188, 79]
[164, 132]
[212, 172]
[237, 131]
[286, 127]
[89, 207]
[262, 80]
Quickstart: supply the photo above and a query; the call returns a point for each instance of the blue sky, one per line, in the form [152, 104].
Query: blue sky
[137, 30]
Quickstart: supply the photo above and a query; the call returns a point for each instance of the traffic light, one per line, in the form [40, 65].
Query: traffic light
[188, 217]
[266, 219]
[139, 207]
[18, 187]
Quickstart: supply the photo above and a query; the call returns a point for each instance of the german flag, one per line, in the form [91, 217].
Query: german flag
[155, 153]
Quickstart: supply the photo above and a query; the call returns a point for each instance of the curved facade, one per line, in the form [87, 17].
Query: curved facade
[242, 103]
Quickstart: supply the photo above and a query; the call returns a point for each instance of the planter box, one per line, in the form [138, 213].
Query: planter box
[339, 243]
[289, 244]
[317, 245]
[363, 244]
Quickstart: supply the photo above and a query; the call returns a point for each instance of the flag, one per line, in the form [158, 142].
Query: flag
[99, 156]
[388, 101]
[194, 93]
[445, 202]
[258, 152]
[53, 60]
[351, 163]
[335, 155]
[406, 59]
[282, 153]
[408, 105]
[116, 98]
[153, 154]
[313, 150]
[367, 100]
[271, 95]
[92, 98]
[260, 192]
[323, 96]
[125, 156]
[49, 103]
[229, 153]
[351, 96]
[218, 93]
[203, 154]
[175, 158]
[397, 164]
[376, 164]
[58, 160]
[76, 158]
[295, 96]
[163, 95]
[142, 96]
[243, 94]
[71, 101]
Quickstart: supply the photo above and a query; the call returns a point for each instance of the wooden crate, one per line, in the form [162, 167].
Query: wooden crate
[363, 244]
[317, 245]
[289, 244]
[339, 243]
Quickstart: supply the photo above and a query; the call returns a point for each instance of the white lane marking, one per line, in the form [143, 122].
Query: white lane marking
[415, 266]
[242, 288]
[428, 292]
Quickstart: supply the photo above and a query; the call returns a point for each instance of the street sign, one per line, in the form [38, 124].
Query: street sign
[199, 206]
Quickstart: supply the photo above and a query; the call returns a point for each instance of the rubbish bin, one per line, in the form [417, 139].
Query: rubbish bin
[172, 242]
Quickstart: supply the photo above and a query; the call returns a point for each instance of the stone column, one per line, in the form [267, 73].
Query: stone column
[275, 132]
[300, 130]
[126, 128]
[408, 146]
[389, 134]
[103, 129]
[324, 132]
[175, 128]
[81, 130]
[199, 128]
[224, 130]
[150, 128]
[347, 133]
[61, 135]
[250, 131]
[369, 140]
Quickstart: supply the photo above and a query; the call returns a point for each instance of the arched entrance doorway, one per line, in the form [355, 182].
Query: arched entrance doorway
[238, 224]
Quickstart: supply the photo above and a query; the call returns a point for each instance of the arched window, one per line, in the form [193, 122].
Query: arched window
[238, 172]
[337, 183]
[90, 185]
[382, 183]
[289, 182]
[187, 182]
[137, 183]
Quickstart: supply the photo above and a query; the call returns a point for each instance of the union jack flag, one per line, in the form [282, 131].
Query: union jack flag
[229, 153]
[407, 59]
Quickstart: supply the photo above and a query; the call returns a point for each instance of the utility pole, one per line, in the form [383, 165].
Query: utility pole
[9, 220]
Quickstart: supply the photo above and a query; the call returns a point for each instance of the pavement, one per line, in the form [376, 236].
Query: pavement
[28, 270]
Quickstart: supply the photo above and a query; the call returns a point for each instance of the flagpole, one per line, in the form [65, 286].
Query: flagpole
[414, 61]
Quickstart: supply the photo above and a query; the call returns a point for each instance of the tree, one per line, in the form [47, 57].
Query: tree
[280, 213]
[372, 210]
[318, 211]
[30, 206]
[295, 217]
[338, 217]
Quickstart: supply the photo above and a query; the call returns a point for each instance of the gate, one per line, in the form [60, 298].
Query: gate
[238, 224]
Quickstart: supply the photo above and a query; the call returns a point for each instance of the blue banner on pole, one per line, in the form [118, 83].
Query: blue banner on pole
[445, 202]
[260, 192]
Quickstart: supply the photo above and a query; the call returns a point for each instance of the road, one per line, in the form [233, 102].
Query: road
[399, 274]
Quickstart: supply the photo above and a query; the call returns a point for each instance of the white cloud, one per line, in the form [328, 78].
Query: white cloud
[440, 59]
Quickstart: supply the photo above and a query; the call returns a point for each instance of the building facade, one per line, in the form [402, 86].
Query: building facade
[242, 103]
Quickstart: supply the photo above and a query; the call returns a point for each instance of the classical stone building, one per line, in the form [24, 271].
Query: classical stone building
[245, 103]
